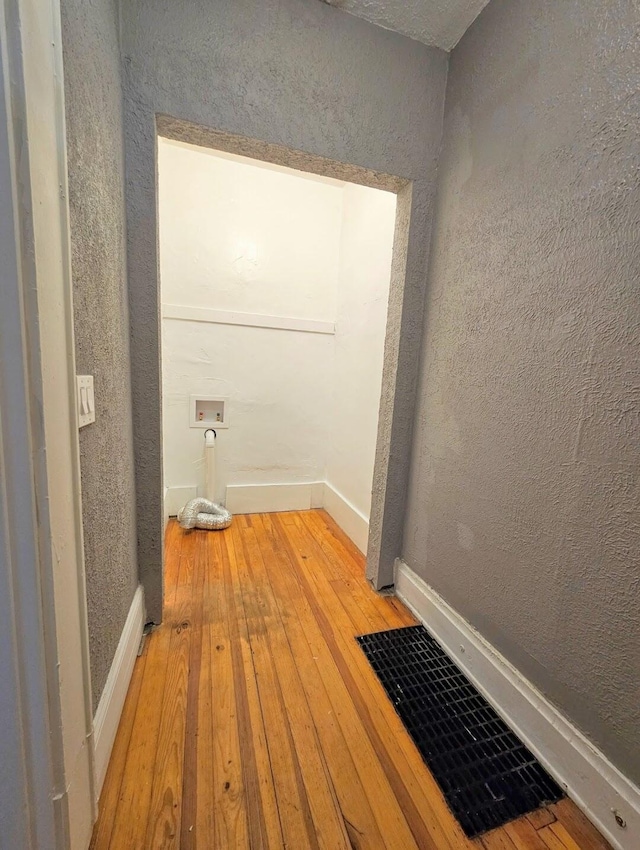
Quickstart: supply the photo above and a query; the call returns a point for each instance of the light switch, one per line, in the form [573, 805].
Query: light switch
[86, 401]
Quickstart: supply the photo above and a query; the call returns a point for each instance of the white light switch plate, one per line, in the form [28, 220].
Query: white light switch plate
[86, 400]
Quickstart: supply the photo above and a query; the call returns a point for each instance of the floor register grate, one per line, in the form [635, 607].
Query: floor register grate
[486, 774]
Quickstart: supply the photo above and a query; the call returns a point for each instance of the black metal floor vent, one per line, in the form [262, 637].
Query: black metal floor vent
[487, 775]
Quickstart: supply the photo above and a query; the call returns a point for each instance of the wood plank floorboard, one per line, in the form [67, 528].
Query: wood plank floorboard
[253, 719]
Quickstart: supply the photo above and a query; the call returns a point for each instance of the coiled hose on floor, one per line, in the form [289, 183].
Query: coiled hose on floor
[203, 513]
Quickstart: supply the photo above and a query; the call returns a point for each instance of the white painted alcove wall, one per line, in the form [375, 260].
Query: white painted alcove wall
[240, 237]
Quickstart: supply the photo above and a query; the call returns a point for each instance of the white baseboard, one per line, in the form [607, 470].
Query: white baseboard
[348, 517]
[176, 498]
[317, 494]
[165, 508]
[269, 498]
[107, 717]
[589, 778]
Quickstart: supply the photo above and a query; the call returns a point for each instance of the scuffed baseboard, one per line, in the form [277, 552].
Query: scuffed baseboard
[107, 717]
[351, 521]
[269, 498]
[176, 498]
[589, 778]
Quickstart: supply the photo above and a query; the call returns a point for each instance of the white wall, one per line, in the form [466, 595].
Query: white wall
[277, 411]
[366, 245]
[243, 237]
[235, 236]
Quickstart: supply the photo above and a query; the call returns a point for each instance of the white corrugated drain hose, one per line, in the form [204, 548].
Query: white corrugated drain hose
[205, 513]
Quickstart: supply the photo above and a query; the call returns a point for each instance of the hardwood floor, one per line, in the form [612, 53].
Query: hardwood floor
[254, 721]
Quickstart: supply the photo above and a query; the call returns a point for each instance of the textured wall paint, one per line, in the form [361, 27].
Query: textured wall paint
[304, 75]
[96, 198]
[524, 506]
[440, 23]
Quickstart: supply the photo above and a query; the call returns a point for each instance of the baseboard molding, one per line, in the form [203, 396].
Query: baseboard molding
[165, 508]
[317, 494]
[348, 517]
[589, 778]
[107, 717]
[269, 498]
[177, 497]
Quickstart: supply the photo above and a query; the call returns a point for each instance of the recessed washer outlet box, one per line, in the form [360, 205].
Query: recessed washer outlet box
[207, 412]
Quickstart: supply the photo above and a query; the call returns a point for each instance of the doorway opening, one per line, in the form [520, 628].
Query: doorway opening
[274, 286]
[400, 363]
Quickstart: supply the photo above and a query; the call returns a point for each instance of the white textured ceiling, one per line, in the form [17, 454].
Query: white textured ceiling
[440, 23]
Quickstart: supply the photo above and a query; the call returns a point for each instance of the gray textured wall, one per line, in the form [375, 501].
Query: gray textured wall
[96, 194]
[297, 73]
[524, 506]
